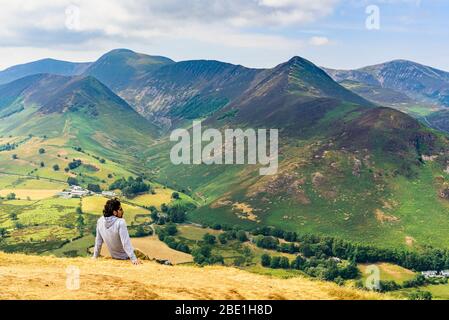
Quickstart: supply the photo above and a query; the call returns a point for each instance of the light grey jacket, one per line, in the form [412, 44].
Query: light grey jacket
[114, 233]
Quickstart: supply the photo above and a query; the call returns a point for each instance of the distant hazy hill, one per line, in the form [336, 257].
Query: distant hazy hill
[411, 87]
[413, 79]
[52, 66]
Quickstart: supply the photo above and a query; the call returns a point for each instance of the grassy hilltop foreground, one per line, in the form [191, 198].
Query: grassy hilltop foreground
[32, 277]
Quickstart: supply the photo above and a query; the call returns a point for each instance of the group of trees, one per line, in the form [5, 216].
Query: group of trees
[420, 295]
[203, 255]
[130, 187]
[177, 211]
[94, 187]
[80, 222]
[427, 258]
[75, 163]
[419, 260]
[418, 281]
[325, 269]
[71, 181]
[3, 233]
[11, 196]
[166, 234]
[8, 146]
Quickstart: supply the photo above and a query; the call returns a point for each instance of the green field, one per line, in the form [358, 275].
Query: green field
[389, 272]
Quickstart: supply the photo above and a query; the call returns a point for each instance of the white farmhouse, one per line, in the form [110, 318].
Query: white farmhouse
[108, 193]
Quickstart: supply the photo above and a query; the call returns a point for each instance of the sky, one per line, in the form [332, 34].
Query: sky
[341, 34]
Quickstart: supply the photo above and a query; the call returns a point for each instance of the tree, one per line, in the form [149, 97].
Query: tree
[175, 195]
[42, 164]
[80, 220]
[275, 262]
[71, 181]
[41, 151]
[56, 167]
[154, 216]
[80, 224]
[284, 263]
[3, 232]
[79, 210]
[222, 238]
[74, 164]
[267, 242]
[183, 247]
[201, 254]
[171, 229]
[217, 226]
[265, 260]
[130, 187]
[94, 187]
[140, 231]
[177, 212]
[298, 263]
[14, 156]
[209, 239]
[241, 236]
[389, 285]
[11, 196]
[420, 295]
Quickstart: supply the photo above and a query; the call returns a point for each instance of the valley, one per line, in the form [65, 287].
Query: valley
[355, 165]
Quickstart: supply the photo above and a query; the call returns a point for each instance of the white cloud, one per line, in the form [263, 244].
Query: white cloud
[104, 24]
[128, 18]
[319, 41]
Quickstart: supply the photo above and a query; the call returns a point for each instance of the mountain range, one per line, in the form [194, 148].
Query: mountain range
[353, 163]
[411, 87]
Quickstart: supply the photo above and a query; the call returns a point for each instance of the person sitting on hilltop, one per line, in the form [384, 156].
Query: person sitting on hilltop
[111, 228]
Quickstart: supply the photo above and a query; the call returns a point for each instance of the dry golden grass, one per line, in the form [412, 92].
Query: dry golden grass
[33, 194]
[32, 277]
[155, 249]
[161, 196]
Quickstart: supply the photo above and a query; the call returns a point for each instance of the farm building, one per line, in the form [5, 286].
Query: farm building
[109, 193]
[74, 192]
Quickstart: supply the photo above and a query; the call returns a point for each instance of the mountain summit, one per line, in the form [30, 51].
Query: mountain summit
[50, 66]
[417, 81]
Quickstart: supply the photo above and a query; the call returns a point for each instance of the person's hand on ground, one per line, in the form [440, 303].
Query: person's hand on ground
[136, 262]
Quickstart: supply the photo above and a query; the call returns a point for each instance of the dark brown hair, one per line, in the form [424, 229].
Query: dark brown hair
[111, 206]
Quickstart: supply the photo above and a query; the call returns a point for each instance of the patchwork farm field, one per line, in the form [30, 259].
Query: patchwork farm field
[389, 272]
[155, 249]
[34, 169]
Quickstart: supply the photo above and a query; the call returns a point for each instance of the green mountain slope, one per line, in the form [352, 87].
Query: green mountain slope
[347, 168]
[80, 109]
[188, 89]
